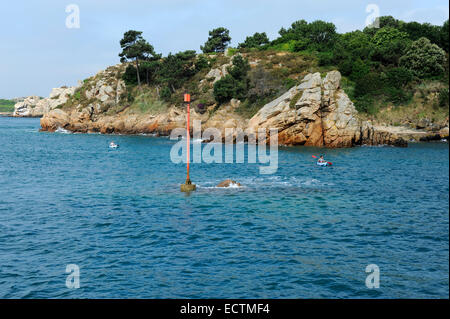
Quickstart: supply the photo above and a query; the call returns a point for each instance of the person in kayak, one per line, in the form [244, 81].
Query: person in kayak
[321, 160]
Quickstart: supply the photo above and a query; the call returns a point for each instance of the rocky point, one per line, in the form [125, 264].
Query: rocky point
[317, 112]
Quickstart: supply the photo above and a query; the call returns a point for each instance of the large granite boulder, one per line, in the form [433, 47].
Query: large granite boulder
[216, 74]
[55, 119]
[318, 112]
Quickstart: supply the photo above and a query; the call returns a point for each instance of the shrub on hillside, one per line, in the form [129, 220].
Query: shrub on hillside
[325, 58]
[443, 97]
[176, 69]
[166, 93]
[424, 58]
[201, 63]
[372, 83]
[359, 69]
[225, 89]
[317, 35]
[129, 76]
[345, 66]
[235, 84]
[300, 45]
[398, 77]
[397, 95]
[240, 68]
[365, 104]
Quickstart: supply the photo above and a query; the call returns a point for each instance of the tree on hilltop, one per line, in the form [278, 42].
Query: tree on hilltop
[255, 41]
[135, 48]
[218, 40]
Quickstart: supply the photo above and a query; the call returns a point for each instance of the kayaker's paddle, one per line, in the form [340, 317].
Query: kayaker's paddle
[329, 163]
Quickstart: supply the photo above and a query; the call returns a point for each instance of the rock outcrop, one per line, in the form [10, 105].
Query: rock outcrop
[35, 106]
[87, 120]
[27, 107]
[443, 133]
[229, 183]
[319, 113]
[216, 74]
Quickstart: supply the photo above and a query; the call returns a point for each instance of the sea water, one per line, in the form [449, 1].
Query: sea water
[304, 232]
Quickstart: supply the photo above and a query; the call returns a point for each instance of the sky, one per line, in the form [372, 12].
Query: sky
[39, 52]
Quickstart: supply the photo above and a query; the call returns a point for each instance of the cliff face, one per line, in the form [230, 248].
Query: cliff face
[319, 113]
[314, 113]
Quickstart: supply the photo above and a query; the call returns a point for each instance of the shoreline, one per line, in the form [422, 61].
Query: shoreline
[419, 137]
[315, 112]
[11, 114]
[410, 135]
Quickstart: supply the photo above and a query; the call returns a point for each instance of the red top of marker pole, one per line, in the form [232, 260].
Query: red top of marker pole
[187, 98]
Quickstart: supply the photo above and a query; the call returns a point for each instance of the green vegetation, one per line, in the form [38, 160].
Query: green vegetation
[135, 48]
[218, 41]
[387, 64]
[148, 103]
[168, 74]
[295, 99]
[383, 64]
[424, 59]
[393, 66]
[235, 84]
[258, 40]
[443, 98]
[6, 105]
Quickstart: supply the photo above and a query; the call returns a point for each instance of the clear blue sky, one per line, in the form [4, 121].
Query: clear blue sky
[38, 52]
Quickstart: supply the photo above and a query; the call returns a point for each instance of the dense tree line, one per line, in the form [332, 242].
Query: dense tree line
[382, 61]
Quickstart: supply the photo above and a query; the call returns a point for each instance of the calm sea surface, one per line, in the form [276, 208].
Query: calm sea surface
[303, 232]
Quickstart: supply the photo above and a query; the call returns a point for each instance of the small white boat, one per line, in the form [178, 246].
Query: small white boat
[113, 145]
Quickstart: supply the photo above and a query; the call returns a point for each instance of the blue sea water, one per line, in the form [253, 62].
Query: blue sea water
[303, 232]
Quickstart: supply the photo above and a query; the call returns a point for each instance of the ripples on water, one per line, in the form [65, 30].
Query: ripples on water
[304, 232]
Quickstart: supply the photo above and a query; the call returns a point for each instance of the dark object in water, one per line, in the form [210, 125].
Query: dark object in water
[228, 183]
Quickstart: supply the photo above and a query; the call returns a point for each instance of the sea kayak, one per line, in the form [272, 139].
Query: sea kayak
[323, 163]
